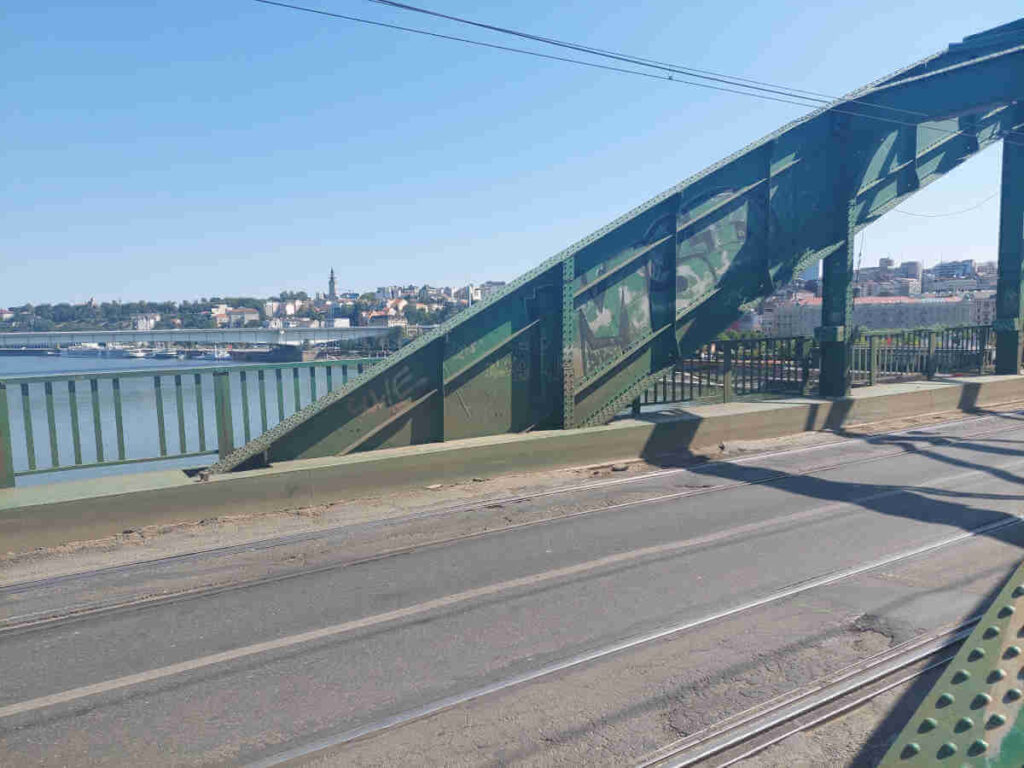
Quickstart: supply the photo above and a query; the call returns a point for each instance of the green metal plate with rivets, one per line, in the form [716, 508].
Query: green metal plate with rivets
[973, 715]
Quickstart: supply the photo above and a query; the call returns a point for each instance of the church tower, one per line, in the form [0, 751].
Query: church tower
[332, 286]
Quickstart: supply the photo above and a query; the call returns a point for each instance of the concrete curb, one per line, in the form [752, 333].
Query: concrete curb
[42, 516]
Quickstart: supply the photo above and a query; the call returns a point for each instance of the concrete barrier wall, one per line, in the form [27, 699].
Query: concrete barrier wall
[50, 515]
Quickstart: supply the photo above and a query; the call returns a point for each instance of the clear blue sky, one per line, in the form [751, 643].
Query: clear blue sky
[178, 150]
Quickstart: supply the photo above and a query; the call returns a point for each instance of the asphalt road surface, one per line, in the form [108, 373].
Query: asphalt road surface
[584, 627]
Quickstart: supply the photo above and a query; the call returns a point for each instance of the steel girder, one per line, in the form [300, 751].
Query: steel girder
[571, 342]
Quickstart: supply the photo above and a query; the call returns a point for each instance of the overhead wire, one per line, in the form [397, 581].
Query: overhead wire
[512, 49]
[952, 213]
[794, 98]
[760, 85]
[623, 57]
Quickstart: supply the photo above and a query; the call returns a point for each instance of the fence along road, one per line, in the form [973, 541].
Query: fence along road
[191, 415]
[88, 420]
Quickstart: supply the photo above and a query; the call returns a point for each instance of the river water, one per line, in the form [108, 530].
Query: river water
[140, 413]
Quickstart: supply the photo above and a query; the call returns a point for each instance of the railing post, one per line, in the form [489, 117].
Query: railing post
[872, 360]
[930, 362]
[6, 443]
[982, 348]
[222, 411]
[1010, 279]
[569, 332]
[727, 348]
[803, 359]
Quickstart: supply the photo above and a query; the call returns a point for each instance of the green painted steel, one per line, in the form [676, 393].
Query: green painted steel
[279, 376]
[1009, 293]
[30, 443]
[76, 436]
[120, 401]
[118, 417]
[261, 382]
[973, 716]
[161, 430]
[574, 341]
[244, 384]
[222, 411]
[97, 424]
[179, 407]
[201, 414]
[764, 367]
[51, 424]
[6, 444]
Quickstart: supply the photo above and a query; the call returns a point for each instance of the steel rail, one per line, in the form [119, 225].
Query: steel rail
[767, 723]
[29, 622]
[376, 728]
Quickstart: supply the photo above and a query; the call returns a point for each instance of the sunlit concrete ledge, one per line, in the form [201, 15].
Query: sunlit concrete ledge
[49, 515]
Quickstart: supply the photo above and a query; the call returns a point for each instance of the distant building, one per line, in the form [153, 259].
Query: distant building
[332, 286]
[953, 269]
[5, 315]
[983, 309]
[233, 317]
[934, 284]
[906, 286]
[339, 322]
[145, 322]
[490, 288]
[911, 269]
[882, 313]
[301, 322]
[381, 318]
[469, 293]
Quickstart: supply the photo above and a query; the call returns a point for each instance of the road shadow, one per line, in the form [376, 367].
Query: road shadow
[875, 744]
[954, 507]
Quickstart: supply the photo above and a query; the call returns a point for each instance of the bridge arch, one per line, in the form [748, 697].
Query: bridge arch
[572, 341]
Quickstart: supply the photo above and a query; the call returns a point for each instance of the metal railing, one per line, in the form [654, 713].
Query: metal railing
[726, 369]
[881, 356]
[128, 417]
[763, 367]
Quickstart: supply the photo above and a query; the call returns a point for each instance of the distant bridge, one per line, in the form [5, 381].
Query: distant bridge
[211, 336]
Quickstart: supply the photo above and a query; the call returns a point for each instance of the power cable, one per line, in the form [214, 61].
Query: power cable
[815, 102]
[538, 54]
[623, 57]
[759, 85]
[944, 215]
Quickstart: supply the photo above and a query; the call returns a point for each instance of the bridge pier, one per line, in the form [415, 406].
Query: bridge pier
[1009, 304]
[836, 315]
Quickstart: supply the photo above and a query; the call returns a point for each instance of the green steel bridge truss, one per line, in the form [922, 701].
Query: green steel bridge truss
[574, 340]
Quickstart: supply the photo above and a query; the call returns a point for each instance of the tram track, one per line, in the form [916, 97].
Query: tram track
[30, 622]
[769, 722]
[746, 733]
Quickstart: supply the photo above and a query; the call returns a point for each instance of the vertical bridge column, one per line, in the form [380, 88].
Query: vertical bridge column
[1011, 256]
[837, 315]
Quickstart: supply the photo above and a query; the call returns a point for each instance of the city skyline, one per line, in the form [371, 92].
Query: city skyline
[331, 284]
